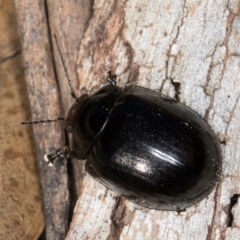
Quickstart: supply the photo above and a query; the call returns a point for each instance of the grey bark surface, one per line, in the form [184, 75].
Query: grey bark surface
[148, 44]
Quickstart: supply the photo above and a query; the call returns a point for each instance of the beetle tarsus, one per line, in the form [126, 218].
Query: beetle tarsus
[180, 211]
[177, 86]
[112, 78]
[59, 153]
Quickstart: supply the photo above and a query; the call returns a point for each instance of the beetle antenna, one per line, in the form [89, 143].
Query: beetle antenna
[73, 94]
[43, 121]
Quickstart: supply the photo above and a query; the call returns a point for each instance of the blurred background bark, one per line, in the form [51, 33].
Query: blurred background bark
[21, 210]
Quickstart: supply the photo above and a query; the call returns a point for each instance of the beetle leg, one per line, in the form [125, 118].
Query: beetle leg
[177, 86]
[112, 78]
[180, 211]
[59, 153]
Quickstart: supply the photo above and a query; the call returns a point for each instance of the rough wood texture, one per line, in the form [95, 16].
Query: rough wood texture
[37, 23]
[68, 22]
[149, 43]
[21, 207]
[146, 43]
[45, 104]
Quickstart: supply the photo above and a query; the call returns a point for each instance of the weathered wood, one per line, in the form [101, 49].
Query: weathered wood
[21, 208]
[68, 23]
[45, 104]
[149, 43]
[37, 23]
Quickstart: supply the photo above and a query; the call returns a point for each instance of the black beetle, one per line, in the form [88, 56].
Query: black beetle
[149, 148]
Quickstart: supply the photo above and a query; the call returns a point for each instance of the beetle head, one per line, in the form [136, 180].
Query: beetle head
[74, 111]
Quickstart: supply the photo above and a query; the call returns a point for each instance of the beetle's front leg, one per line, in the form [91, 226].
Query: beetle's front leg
[58, 153]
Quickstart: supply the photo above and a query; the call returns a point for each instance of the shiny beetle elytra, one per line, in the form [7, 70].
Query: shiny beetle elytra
[149, 148]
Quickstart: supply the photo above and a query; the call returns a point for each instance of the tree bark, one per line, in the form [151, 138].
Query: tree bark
[38, 22]
[149, 44]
